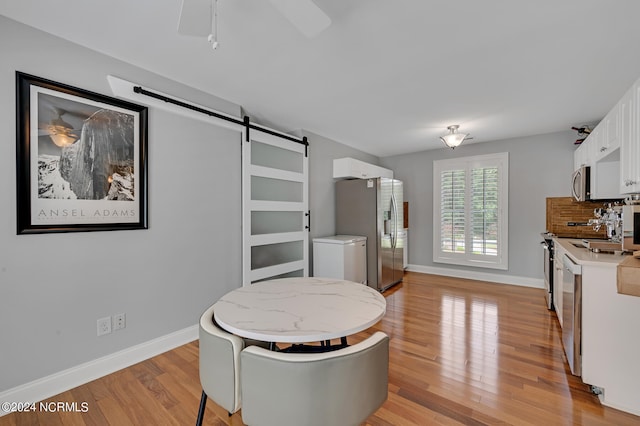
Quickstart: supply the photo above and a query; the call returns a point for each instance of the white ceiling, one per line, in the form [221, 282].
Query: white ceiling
[386, 77]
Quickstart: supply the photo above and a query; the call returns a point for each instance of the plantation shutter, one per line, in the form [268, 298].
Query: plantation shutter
[452, 217]
[470, 211]
[484, 211]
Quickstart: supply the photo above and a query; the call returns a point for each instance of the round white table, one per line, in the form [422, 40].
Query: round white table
[299, 310]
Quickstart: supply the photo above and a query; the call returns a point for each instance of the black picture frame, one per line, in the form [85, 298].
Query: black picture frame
[81, 159]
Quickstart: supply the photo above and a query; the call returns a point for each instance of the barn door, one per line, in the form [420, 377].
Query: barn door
[275, 208]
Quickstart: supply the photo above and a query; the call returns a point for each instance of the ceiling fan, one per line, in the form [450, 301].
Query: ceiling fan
[197, 16]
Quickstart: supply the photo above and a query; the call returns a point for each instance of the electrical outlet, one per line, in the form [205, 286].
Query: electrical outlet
[119, 321]
[104, 326]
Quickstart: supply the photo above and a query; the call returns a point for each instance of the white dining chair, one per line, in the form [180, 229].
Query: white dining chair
[219, 365]
[340, 387]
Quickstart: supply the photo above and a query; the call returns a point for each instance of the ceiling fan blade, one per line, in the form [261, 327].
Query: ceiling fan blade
[308, 18]
[195, 18]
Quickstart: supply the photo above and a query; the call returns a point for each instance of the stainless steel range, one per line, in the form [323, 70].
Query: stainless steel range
[547, 246]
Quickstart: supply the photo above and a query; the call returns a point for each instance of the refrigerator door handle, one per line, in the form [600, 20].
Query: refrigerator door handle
[394, 232]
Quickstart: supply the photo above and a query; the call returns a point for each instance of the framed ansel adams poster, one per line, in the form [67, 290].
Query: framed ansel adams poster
[81, 159]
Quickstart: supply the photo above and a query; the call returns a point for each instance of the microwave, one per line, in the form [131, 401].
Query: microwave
[581, 184]
[631, 227]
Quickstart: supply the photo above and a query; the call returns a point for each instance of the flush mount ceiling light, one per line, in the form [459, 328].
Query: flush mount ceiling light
[62, 140]
[453, 139]
[61, 133]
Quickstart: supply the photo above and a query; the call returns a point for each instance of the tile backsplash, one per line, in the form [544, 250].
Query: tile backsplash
[567, 217]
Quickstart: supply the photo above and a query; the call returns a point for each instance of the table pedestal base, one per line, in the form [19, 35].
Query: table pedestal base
[324, 346]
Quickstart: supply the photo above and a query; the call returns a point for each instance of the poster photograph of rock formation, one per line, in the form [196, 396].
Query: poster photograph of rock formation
[81, 159]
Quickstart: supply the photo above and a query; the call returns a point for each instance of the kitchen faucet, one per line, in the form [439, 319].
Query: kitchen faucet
[611, 217]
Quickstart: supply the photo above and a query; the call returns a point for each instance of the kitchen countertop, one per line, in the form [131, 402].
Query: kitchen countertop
[586, 257]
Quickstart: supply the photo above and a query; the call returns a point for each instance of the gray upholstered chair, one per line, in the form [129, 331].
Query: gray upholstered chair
[341, 387]
[219, 365]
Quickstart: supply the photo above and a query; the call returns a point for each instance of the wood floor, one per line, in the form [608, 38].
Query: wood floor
[461, 352]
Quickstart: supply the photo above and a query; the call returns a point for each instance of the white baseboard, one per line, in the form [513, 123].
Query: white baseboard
[70, 378]
[633, 410]
[482, 276]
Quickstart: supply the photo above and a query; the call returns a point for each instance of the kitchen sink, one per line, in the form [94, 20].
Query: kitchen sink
[597, 245]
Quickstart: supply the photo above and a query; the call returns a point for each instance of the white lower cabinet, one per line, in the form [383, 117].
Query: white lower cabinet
[610, 324]
[610, 343]
[558, 253]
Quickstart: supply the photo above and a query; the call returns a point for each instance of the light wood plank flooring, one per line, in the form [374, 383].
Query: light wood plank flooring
[462, 352]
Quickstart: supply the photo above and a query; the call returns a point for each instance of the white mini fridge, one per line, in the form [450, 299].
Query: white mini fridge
[341, 256]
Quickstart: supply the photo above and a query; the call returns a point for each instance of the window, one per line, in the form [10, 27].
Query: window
[470, 199]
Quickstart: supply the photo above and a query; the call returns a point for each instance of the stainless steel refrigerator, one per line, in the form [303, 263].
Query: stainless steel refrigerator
[374, 208]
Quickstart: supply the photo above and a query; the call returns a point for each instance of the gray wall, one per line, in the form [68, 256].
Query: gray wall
[53, 287]
[321, 183]
[539, 167]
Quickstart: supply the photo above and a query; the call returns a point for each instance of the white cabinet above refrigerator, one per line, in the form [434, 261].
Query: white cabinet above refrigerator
[351, 168]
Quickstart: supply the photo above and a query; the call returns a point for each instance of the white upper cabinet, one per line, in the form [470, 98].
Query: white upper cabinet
[629, 107]
[608, 134]
[581, 155]
[351, 168]
[603, 150]
[602, 142]
[613, 149]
